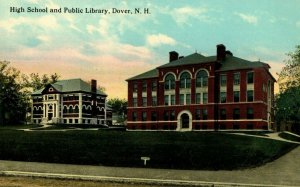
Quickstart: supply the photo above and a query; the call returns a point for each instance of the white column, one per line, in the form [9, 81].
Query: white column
[105, 111]
[57, 106]
[80, 108]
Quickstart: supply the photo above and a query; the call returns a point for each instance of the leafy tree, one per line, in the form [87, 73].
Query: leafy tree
[290, 74]
[37, 82]
[287, 102]
[119, 107]
[13, 101]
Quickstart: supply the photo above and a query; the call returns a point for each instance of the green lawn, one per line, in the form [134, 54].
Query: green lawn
[189, 150]
[289, 136]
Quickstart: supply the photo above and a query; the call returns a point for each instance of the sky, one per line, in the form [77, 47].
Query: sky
[113, 47]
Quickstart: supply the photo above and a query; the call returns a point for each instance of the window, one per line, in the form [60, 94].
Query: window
[70, 120]
[144, 88]
[250, 77]
[154, 101]
[236, 78]
[197, 114]
[236, 96]
[144, 116]
[185, 80]
[250, 113]
[76, 121]
[135, 102]
[144, 101]
[204, 114]
[172, 99]
[250, 95]
[65, 121]
[223, 80]
[65, 110]
[71, 109]
[205, 98]
[134, 116]
[166, 115]
[223, 113]
[154, 86]
[236, 113]
[201, 79]
[76, 110]
[198, 98]
[172, 116]
[153, 116]
[188, 99]
[181, 99]
[170, 82]
[223, 97]
[167, 100]
[135, 87]
[169, 115]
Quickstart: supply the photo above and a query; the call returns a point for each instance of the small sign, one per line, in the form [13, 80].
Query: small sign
[145, 159]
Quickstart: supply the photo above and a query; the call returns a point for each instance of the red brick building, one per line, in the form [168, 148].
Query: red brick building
[199, 92]
[71, 101]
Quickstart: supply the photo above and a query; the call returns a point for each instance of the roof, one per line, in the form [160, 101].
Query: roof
[149, 74]
[70, 85]
[195, 58]
[230, 63]
[235, 63]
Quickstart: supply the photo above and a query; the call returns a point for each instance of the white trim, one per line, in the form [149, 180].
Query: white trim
[195, 75]
[179, 125]
[168, 74]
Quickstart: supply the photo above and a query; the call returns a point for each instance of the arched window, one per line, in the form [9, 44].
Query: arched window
[170, 82]
[65, 109]
[76, 109]
[202, 79]
[83, 109]
[71, 109]
[185, 80]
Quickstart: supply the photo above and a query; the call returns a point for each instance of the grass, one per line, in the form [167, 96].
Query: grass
[189, 150]
[29, 181]
[289, 136]
[23, 126]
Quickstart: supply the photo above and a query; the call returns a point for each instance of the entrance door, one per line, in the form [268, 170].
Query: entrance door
[50, 115]
[185, 120]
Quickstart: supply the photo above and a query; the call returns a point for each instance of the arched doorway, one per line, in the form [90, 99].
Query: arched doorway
[184, 121]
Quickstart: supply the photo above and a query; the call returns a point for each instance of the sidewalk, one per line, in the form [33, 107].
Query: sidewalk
[284, 171]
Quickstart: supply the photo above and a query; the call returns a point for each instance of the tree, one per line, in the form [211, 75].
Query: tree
[37, 82]
[290, 74]
[119, 107]
[13, 101]
[287, 102]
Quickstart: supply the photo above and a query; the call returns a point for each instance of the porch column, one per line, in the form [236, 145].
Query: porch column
[80, 108]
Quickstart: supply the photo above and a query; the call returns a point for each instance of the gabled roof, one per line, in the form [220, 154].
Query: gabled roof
[70, 85]
[149, 74]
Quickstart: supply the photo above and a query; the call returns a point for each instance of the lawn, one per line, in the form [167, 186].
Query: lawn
[177, 150]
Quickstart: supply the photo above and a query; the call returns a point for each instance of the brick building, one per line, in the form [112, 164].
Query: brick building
[199, 92]
[70, 101]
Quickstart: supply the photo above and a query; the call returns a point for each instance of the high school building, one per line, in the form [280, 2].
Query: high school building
[70, 101]
[199, 92]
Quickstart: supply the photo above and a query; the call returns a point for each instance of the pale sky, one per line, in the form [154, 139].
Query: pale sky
[114, 47]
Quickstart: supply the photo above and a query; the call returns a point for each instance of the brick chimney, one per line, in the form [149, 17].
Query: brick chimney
[173, 55]
[221, 52]
[93, 86]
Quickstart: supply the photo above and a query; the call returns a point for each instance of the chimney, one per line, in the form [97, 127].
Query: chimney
[229, 53]
[221, 52]
[93, 86]
[173, 55]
